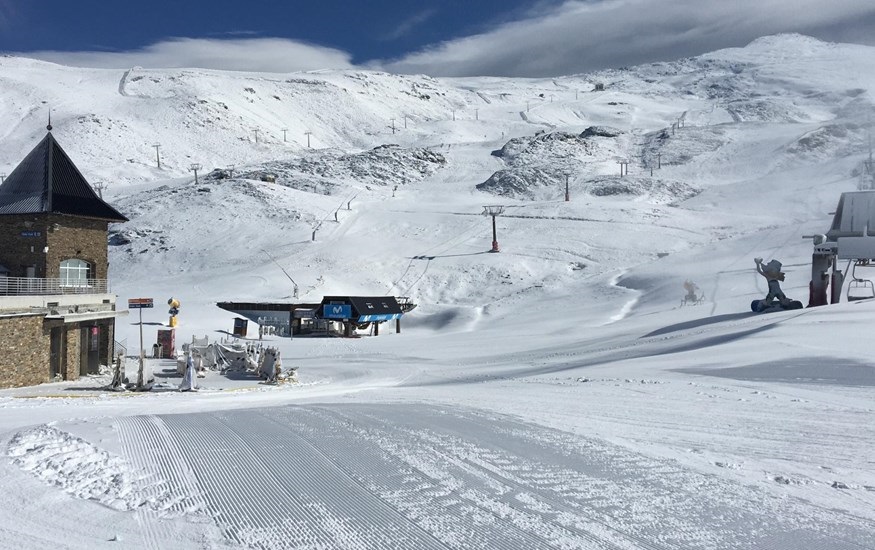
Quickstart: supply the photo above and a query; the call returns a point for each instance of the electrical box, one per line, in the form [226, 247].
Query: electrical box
[167, 343]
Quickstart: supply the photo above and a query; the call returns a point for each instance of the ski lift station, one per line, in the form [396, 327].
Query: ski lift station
[851, 237]
[333, 316]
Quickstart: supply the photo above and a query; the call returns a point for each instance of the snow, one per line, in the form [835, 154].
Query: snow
[553, 395]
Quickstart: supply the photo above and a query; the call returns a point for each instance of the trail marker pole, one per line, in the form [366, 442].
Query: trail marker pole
[157, 154]
[567, 194]
[140, 303]
[194, 168]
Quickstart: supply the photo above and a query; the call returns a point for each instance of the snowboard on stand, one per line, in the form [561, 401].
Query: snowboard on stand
[761, 306]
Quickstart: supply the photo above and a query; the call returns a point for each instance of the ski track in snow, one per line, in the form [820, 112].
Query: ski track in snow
[419, 476]
[690, 431]
[137, 436]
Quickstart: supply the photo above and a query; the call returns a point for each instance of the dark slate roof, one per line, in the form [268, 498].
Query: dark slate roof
[47, 181]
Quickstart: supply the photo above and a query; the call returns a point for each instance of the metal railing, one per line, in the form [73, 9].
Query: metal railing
[120, 348]
[33, 286]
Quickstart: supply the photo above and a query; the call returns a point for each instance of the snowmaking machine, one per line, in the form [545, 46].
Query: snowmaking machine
[851, 237]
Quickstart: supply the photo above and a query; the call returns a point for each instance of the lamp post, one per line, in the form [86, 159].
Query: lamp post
[493, 211]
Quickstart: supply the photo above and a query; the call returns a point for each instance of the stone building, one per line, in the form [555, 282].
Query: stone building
[57, 316]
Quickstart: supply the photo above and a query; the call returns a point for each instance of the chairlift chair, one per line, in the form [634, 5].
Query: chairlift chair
[860, 289]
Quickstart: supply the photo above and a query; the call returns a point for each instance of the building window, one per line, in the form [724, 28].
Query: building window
[75, 272]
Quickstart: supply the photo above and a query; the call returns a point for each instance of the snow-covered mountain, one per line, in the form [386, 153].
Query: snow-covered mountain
[386, 199]
[676, 171]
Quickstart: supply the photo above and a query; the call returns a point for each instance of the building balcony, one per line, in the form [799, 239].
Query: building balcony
[61, 299]
[33, 286]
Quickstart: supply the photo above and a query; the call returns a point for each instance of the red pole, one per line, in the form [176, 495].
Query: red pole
[494, 237]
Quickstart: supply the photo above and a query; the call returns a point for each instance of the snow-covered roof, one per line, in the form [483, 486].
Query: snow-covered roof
[854, 216]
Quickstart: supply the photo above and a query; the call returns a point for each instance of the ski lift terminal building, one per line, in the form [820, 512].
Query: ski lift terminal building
[350, 312]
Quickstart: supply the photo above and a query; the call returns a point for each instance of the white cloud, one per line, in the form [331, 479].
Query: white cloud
[550, 39]
[579, 36]
[407, 26]
[248, 54]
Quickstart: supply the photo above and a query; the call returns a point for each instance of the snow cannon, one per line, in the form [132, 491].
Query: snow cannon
[173, 311]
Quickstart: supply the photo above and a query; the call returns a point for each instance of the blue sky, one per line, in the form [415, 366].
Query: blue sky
[367, 29]
[447, 38]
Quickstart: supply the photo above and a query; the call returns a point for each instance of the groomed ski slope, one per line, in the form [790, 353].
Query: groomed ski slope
[428, 476]
[554, 395]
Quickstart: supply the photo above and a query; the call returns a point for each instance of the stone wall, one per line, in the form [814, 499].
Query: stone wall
[44, 240]
[24, 351]
[73, 237]
[24, 238]
[108, 344]
[74, 352]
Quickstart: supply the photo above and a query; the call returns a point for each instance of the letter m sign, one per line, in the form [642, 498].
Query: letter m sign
[336, 311]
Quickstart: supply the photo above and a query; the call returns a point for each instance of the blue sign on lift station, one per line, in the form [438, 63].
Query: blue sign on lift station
[336, 311]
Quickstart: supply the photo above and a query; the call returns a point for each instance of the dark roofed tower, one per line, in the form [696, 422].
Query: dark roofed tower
[52, 224]
[55, 306]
